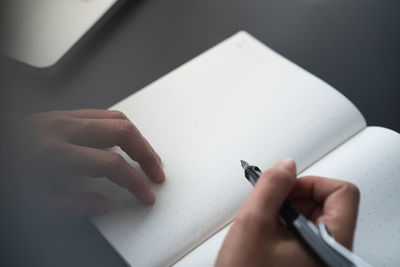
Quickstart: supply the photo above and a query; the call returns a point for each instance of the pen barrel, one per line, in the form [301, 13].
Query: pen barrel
[288, 212]
[308, 234]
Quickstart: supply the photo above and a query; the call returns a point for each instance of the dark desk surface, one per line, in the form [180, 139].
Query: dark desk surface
[352, 45]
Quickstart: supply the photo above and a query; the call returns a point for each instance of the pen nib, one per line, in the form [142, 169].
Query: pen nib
[245, 165]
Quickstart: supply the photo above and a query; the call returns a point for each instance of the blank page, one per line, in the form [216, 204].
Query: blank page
[239, 100]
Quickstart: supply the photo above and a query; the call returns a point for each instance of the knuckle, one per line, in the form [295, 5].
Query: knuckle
[125, 128]
[77, 129]
[59, 122]
[60, 126]
[116, 114]
[114, 161]
[85, 125]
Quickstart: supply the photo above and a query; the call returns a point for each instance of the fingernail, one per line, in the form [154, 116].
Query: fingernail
[158, 157]
[149, 198]
[286, 163]
[160, 175]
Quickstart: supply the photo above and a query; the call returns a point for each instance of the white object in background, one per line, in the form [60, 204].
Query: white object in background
[40, 32]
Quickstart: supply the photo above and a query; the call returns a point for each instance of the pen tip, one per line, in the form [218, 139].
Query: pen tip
[244, 164]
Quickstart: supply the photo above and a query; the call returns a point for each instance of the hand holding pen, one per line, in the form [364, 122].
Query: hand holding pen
[259, 238]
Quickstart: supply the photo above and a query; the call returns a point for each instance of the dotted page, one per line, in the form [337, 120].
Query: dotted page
[239, 100]
[371, 160]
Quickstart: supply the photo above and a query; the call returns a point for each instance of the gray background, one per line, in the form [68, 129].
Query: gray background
[351, 44]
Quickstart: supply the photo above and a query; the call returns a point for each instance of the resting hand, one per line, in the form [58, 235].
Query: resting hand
[258, 238]
[74, 142]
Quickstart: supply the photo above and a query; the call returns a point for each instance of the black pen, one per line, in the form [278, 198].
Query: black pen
[318, 241]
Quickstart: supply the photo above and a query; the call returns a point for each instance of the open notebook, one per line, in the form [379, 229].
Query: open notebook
[241, 100]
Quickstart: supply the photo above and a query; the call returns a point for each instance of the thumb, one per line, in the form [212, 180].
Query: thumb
[80, 203]
[272, 188]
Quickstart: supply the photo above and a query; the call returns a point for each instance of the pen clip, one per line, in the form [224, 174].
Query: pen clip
[338, 248]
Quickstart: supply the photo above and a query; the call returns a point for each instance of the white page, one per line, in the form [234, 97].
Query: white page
[239, 100]
[371, 160]
[206, 253]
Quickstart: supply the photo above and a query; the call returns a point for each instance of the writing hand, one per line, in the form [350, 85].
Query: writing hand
[258, 238]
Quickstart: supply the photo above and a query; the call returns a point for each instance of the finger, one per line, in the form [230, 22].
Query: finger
[310, 209]
[97, 163]
[339, 201]
[97, 114]
[152, 149]
[122, 133]
[270, 191]
[79, 203]
[306, 207]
